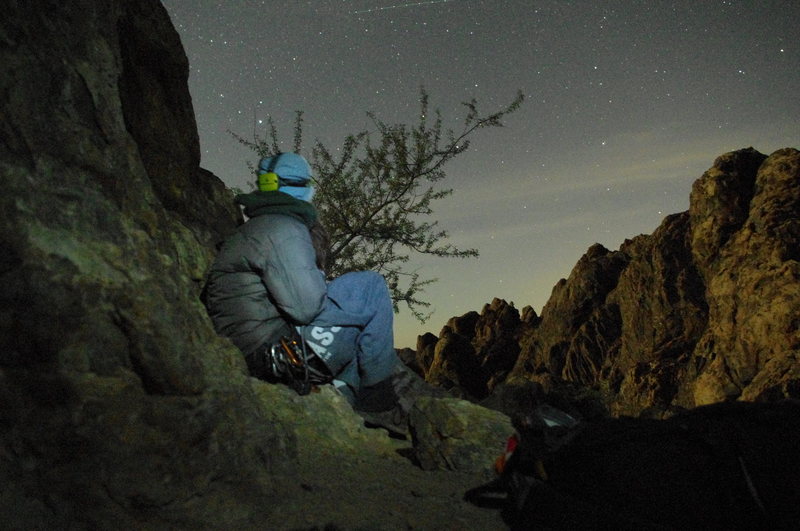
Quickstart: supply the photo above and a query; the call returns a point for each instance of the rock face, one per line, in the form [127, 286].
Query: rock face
[107, 227]
[751, 347]
[452, 434]
[705, 309]
[474, 351]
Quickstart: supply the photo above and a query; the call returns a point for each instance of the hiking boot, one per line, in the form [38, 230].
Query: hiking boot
[387, 404]
[409, 384]
[394, 420]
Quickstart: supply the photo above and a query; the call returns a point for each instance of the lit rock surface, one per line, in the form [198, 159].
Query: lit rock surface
[705, 309]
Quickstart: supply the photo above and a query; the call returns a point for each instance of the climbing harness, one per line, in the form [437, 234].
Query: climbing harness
[293, 362]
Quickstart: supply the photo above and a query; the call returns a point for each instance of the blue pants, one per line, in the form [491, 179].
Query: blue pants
[353, 333]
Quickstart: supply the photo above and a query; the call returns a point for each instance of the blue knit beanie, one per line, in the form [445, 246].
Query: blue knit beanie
[289, 167]
[293, 172]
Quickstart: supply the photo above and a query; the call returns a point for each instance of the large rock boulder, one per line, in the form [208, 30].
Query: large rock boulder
[453, 434]
[117, 394]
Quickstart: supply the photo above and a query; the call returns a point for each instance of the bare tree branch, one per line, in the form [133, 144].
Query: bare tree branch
[373, 196]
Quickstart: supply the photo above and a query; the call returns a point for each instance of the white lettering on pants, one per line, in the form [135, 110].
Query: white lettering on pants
[325, 337]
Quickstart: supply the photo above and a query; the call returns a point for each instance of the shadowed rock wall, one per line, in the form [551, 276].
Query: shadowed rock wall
[106, 401]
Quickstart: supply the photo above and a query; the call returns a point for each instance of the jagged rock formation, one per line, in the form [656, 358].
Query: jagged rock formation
[119, 405]
[705, 309]
[474, 351]
[751, 347]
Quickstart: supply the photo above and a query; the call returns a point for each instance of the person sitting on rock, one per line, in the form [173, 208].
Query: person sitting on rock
[266, 291]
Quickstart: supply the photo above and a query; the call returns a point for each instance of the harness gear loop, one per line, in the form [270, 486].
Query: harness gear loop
[294, 363]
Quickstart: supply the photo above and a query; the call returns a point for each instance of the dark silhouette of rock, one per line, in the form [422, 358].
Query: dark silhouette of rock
[723, 466]
[474, 351]
[409, 358]
[426, 344]
[705, 309]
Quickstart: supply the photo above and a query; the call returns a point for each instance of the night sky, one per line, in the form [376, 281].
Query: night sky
[627, 103]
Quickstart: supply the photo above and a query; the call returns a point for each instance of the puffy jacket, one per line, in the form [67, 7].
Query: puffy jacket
[265, 277]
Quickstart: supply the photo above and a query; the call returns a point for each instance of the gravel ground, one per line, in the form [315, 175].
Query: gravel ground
[380, 492]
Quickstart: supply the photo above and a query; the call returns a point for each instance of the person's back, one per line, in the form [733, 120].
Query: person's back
[263, 277]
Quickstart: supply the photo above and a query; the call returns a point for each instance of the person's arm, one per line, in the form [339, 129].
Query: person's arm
[290, 273]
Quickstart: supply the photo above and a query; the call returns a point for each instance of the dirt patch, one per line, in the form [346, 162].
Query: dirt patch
[380, 492]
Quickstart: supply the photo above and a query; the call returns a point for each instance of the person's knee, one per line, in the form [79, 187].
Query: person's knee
[376, 279]
[364, 276]
[367, 280]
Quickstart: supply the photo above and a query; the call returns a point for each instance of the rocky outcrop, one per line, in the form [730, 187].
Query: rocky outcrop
[705, 309]
[452, 434]
[751, 348]
[474, 351]
[117, 396]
